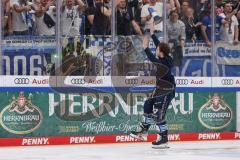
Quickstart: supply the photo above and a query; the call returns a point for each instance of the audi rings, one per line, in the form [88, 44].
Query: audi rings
[181, 82]
[227, 82]
[21, 81]
[131, 81]
[78, 81]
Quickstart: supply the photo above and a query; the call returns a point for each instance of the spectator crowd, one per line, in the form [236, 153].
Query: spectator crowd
[187, 20]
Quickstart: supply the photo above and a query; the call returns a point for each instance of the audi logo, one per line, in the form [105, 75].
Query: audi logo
[131, 81]
[21, 81]
[181, 82]
[78, 81]
[227, 82]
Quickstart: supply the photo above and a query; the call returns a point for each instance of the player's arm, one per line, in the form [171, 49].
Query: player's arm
[156, 61]
[155, 40]
[165, 61]
[153, 36]
[147, 50]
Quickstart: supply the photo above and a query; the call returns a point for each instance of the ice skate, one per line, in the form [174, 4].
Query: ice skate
[140, 134]
[161, 142]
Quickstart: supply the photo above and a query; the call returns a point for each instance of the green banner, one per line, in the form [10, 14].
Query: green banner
[24, 114]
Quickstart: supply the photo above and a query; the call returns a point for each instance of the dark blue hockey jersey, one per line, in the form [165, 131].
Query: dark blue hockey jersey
[165, 81]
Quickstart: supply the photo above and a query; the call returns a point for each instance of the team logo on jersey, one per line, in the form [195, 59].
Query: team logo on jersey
[215, 113]
[21, 116]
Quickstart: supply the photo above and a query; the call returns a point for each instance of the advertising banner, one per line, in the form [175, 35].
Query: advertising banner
[39, 114]
[127, 58]
[113, 83]
[28, 42]
[226, 82]
[196, 50]
[228, 54]
[27, 61]
[112, 56]
[202, 66]
[34, 56]
[116, 138]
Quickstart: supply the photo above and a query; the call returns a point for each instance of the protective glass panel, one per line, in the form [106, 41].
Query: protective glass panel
[227, 38]
[189, 35]
[29, 45]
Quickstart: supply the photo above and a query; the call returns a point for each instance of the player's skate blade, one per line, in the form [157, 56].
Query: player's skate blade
[161, 146]
[140, 137]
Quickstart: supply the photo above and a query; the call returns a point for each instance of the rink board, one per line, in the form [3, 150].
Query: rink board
[103, 110]
[99, 139]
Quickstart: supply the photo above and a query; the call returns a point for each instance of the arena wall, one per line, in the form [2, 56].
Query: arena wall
[39, 110]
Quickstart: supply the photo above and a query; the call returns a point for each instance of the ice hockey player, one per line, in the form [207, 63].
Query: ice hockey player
[155, 107]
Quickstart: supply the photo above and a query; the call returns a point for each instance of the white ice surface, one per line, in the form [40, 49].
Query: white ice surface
[210, 150]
